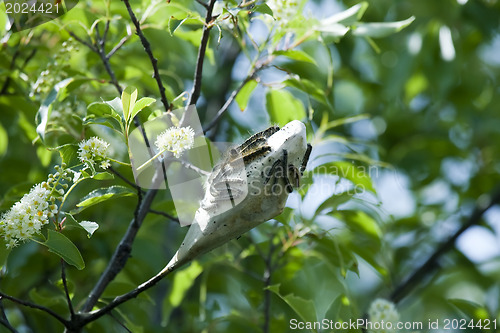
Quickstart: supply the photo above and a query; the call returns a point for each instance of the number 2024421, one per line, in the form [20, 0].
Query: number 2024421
[26, 8]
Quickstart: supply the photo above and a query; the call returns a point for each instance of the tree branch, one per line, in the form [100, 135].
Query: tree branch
[4, 320]
[35, 306]
[118, 46]
[168, 216]
[6, 84]
[406, 287]
[66, 292]
[99, 49]
[81, 41]
[195, 93]
[132, 294]
[122, 252]
[226, 105]
[128, 182]
[147, 48]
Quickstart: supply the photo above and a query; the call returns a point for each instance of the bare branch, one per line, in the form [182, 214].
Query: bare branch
[168, 216]
[147, 48]
[122, 177]
[81, 41]
[431, 263]
[132, 294]
[119, 322]
[99, 49]
[4, 320]
[66, 292]
[122, 252]
[250, 76]
[35, 306]
[226, 105]
[6, 84]
[195, 93]
[188, 165]
[117, 46]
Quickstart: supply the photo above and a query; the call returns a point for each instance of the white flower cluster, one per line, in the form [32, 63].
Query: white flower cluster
[27, 217]
[175, 140]
[94, 150]
[283, 10]
[381, 309]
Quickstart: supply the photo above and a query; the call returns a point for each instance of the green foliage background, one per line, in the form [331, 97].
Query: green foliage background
[391, 102]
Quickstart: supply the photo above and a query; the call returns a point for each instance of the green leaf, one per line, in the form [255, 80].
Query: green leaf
[305, 309]
[296, 55]
[346, 120]
[4, 140]
[141, 104]
[360, 222]
[58, 93]
[64, 248]
[103, 176]
[347, 17]
[174, 24]
[192, 36]
[308, 87]
[283, 107]
[335, 201]
[69, 154]
[470, 309]
[382, 29]
[104, 114]
[183, 280]
[332, 32]
[89, 226]
[129, 96]
[101, 195]
[358, 175]
[263, 8]
[244, 95]
[116, 105]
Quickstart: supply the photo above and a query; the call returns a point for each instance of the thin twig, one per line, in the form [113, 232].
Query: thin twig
[66, 291]
[431, 263]
[195, 93]
[147, 48]
[122, 252]
[11, 67]
[168, 216]
[105, 33]
[34, 306]
[226, 105]
[117, 46]
[188, 165]
[84, 42]
[99, 49]
[132, 294]
[119, 322]
[122, 177]
[4, 320]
